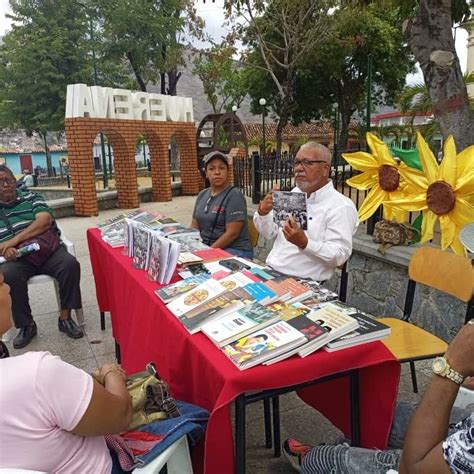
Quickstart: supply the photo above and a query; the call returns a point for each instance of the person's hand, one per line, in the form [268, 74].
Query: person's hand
[106, 369]
[4, 246]
[10, 254]
[266, 204]
[460, 353]
[294, 234]
[469, 383]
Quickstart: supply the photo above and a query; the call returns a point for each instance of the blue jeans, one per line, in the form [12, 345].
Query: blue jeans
[344, 459]
[240, 253]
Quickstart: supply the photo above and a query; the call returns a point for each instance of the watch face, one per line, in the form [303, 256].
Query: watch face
[439, 364]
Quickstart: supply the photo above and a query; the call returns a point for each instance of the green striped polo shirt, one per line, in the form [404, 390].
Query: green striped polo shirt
[21, 213]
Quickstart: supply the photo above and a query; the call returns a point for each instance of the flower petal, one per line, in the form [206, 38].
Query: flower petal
[427, 159]
[394, 214]
[448, 167]
[383, 155]
[415, 180]
[448, 231]
[465, 161]
[457, 246]
[462, 213]
[411, 202]
[372, 202]
[373, 141]
[429, 219]
[361, 160]
[364, 181]
[465, 183]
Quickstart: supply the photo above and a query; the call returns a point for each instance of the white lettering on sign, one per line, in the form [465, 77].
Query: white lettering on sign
[105, 102]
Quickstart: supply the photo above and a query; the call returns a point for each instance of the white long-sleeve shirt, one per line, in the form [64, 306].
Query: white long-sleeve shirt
[332, 221]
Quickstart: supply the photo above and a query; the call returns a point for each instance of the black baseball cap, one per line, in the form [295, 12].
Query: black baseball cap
[215, 155]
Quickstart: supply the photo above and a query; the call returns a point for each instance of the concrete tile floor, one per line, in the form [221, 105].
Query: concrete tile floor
[97, 348]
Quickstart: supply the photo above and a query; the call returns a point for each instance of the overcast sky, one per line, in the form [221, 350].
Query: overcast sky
[214, 18]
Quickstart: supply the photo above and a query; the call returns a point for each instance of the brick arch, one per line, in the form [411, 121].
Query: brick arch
[122, 134]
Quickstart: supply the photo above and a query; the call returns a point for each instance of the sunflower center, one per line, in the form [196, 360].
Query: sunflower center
[389, 179]
[440, 198]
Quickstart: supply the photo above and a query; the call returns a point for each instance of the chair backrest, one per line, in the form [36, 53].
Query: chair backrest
[252, 231]
[445, 271]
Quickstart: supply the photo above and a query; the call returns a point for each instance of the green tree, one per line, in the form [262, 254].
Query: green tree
[427, 27]
[222, 78]
[45, 51]
[278, 34]
[337, 71]
[146, 34]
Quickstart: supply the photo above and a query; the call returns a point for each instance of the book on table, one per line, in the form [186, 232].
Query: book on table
[187, 258]
[234, 280]
[252, 317]
[159, 249]
[197, 296]
[141, 246]
[315, 337]
[287, 311]
[261, 293]
[290, 204]
[211, 254]
[335, 321]
[369, 330]
[263, 344]
[172, 291]
[296, 290]
[220, 305]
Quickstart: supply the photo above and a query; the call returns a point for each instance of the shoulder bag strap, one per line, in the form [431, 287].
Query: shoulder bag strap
[213, 228]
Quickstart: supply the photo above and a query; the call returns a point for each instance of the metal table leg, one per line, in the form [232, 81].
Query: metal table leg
[240, 406]
[355, 413]
[268, 423]
[276, 427]
[117, 352]
[102, 321]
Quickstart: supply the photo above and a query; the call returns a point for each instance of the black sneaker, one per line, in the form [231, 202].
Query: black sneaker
[25, 335]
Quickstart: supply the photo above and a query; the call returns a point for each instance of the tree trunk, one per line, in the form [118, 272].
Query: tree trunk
[49, 163]
[138, 76]
[345, 114]
[430, 38]
[282, 122]
[173, 78]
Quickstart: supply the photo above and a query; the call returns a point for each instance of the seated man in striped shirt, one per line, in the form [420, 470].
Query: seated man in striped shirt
[23, 216]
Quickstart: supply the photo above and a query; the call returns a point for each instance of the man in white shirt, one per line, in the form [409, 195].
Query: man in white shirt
[332, 221]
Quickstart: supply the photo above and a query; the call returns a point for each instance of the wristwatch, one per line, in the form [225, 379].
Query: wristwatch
[441, 367]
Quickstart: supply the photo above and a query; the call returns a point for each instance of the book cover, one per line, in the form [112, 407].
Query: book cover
[262, 274]
[286, 204]
[234, 280]
[261, 293]
[282, 293]
[141, 247]
[287, 311]
[262, 345]
[189, 242]
[186, 258]
[197, 296]
[211, 255]
[167, 271]
[170, 292]
[220, 305]
[296, 290]
[369, 330]
[315, 337]
[235, 325]
[155, 259]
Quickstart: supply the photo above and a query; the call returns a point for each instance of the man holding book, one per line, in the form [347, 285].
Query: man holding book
[331, 221]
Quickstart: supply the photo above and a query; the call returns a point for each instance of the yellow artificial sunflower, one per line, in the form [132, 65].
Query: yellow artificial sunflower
[445, 191]
[380, 174]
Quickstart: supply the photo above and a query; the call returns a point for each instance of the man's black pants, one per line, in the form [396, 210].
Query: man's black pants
[61, 265]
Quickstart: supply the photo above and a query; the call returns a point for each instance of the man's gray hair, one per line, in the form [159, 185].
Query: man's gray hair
[323, 151]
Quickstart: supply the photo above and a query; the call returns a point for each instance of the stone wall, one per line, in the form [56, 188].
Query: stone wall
[377, 284]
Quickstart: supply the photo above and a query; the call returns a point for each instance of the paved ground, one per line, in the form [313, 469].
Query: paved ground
[97, 347]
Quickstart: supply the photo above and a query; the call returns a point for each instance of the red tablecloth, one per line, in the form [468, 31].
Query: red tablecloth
[199, 373]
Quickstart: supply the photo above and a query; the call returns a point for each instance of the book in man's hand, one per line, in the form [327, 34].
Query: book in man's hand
[369, 330]
[290, 204]
[264, 344]
[228, 328]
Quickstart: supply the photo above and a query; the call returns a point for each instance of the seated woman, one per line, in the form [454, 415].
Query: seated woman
[220, 212]
[53, 416]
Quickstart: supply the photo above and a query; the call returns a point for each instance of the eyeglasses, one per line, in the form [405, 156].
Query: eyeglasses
[4, 181]
[206, 209]
[307, 163]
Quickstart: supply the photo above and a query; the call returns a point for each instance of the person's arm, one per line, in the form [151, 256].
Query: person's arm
[41, 224]
[194, 224]
[423, 451]
[336, 247]
[110, 408]
[263, 217]
[232, 232]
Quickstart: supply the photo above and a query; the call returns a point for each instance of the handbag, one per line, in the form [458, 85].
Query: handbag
[151, 399]
[389, 233]
[48, 242]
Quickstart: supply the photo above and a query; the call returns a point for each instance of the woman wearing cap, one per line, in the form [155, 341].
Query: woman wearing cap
[220, 212]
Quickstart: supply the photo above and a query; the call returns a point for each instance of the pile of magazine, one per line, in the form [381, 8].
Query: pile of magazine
[256, 315]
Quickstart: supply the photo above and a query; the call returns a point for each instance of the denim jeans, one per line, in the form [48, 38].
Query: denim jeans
[240, 253]
[344, 459]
